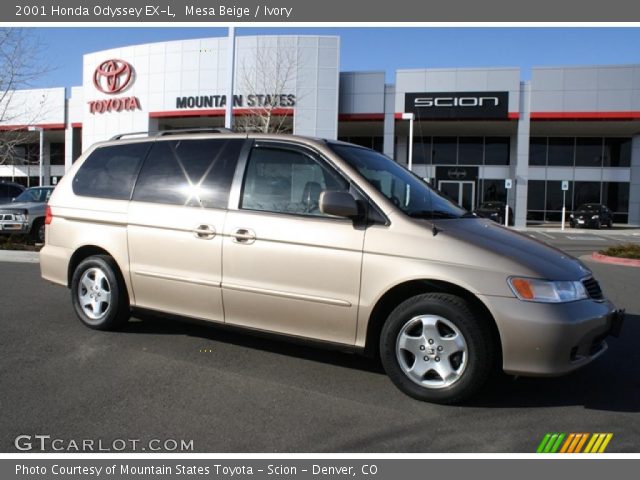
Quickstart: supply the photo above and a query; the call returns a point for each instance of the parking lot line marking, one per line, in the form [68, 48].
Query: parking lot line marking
[585, 237]
[547, 235]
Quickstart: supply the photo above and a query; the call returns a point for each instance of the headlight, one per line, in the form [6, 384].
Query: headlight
[571, 215]
[595, 217]
[20, 217]
[533, 290]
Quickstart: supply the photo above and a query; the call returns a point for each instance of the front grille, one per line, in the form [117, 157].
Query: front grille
[593, 288]
[6, 217]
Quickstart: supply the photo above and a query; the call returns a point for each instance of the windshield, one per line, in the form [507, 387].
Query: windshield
[589, 207]
[34, 195]
[407, 191]
[492, 205]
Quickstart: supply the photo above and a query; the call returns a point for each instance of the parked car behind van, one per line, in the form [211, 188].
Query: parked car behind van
[9, 191]
[320, 240]
[25, 214]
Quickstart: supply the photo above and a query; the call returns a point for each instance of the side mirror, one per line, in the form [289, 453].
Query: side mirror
[340, 204]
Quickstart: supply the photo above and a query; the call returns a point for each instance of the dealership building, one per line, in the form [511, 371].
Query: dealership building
[569, 133]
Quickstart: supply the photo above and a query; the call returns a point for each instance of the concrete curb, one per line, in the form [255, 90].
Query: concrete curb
[19, 256]
[629, 262]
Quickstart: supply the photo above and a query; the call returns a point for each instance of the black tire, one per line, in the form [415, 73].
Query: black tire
[597, 225]
[106, 307]
[471, 374]
[37, 230]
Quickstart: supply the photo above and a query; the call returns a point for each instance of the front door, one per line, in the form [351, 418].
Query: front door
[287, 267]
[462, 193]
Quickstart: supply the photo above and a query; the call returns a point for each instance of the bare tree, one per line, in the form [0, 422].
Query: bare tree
[19, 66]
[268, 81]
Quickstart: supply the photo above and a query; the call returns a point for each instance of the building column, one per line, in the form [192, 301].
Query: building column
[521, 171]
[389, 121]
[68, 148]
[46, 163]
[634, 186]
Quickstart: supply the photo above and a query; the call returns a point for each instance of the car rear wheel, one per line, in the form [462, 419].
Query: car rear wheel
[98, 293]
[434, 348]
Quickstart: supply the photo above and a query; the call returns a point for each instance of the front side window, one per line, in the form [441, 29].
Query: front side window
[110, 171]
[407, 191]
[280, 180]
[194, 173]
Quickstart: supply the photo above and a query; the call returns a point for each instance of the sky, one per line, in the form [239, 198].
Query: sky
[371, 48]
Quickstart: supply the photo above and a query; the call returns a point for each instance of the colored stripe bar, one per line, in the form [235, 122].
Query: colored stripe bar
[606, 441]
[543, 443]
[582, 442]
[565, 447]
[556, 446]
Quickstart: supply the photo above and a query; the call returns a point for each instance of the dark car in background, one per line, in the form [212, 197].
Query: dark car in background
[591, 215]
[494, 210]
[9, 191]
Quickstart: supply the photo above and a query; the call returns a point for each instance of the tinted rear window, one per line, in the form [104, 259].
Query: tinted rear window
[196, 173]
[110, 172]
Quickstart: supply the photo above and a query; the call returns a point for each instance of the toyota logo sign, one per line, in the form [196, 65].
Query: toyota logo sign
[112, 76]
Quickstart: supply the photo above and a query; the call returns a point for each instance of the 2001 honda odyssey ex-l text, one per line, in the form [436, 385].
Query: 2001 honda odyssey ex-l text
[320, 240]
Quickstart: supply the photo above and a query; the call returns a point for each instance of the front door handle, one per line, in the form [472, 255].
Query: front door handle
[204, 232]
[244, 236]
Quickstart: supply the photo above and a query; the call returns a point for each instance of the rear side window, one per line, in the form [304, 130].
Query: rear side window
[14, 191]
[110, 172]
[195, 173]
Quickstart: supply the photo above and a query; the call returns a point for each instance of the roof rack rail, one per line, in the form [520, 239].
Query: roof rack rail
[120, 135]
[176, 131]
[179, 131]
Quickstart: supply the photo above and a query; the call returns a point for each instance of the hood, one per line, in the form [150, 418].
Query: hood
[20, 205]
[485, 244]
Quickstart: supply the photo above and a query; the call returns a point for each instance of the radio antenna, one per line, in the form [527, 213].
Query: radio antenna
[434, 228]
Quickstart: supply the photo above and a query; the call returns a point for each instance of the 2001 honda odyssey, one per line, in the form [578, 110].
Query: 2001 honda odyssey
[321, 240]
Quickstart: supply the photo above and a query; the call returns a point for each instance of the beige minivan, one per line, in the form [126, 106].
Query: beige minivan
[319, 240]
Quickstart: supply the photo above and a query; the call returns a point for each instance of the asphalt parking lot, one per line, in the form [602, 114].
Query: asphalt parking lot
[230, 392]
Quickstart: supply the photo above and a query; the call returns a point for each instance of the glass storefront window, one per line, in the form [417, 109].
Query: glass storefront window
[586, 192]
[422, 151]
[493, 190]
[470, 150]
[589, 152]
[444, 150]
[555, 194]
[617, 152]
[496, 150]
[538, 151]
[536, 194]
[615, 195]
[560, 151]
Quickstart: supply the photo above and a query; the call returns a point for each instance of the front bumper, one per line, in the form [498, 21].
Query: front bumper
[541, 339]
[9, 227]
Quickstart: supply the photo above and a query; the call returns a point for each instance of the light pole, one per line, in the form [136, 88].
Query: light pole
[228, 112]
[33, 128]
[411, 118]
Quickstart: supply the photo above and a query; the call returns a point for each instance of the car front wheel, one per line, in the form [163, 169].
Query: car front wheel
[37, 230]
[434, 348]
[98, 293]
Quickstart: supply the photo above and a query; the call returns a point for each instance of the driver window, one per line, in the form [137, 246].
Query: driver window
[286, 181]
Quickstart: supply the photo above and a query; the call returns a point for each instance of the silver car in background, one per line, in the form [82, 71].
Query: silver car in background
[25, 214]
